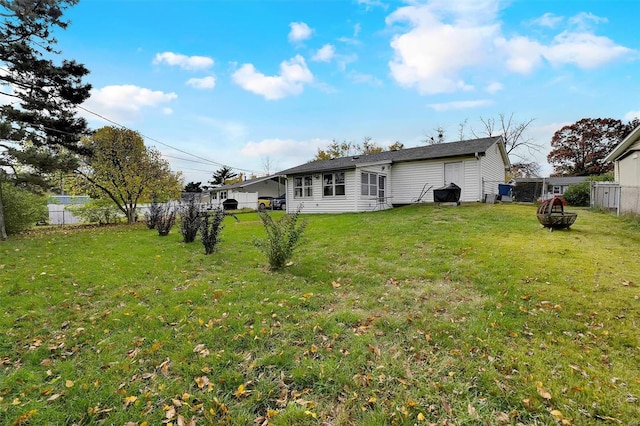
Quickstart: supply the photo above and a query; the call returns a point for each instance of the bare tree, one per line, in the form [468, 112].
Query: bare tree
[268, 165]
[513, 134]
[436, 137]
[461, 127]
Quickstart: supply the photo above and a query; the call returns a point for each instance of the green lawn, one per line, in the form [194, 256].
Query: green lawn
[424, 314]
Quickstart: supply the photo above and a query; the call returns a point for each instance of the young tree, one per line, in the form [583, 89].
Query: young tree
[128, 172]
[345, 149]
[436, 138]
[579, 149]
[39, 132]
[221, 175]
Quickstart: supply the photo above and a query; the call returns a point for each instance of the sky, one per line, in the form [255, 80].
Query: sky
[261, 85]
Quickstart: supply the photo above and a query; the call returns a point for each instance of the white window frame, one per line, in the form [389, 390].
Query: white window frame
[303, 186]
[375, 185]
[334, 182]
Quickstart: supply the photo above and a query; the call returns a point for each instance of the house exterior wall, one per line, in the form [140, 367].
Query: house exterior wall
[318, 203]
[492, 171]
[629, 170]
[409, 180]
[365, 203]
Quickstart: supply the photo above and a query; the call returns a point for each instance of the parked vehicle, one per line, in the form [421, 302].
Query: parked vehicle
[264, 203]
[279, 203]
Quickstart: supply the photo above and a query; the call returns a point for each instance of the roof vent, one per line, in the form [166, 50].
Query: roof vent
[355, 157]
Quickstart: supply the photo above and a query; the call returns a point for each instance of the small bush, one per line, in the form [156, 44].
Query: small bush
[22, 208]
[190, 220]
[152, 215]
[97, 211]
[282, 238]
[166, 219]
[210, 228]
[578, 195]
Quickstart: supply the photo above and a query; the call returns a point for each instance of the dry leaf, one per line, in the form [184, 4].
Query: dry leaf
[543, 393]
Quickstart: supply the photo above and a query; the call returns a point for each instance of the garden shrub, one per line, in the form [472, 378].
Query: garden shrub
[22, 208]
[578, 194]
[166, 219]
[210, 228]
[100, 211]
[190, 220]
[283, 235]
[152, 215]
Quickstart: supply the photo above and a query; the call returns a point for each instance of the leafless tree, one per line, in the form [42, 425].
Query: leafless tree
[515, 141]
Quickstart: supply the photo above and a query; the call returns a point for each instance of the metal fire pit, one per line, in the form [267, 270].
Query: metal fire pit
[447, 194]
[551, 215]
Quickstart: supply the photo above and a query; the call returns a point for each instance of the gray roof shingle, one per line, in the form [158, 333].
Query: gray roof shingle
[427, 152]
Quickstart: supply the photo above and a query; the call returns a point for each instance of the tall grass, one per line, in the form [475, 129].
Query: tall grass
[466, 315]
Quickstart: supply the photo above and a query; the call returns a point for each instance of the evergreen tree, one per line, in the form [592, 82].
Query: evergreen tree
[39, 131]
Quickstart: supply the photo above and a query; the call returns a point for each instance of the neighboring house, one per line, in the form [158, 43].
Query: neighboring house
[245, 194]
[531, 189]
[391, 178]
[626, 160]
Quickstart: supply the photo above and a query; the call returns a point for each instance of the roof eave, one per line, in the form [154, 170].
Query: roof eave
[619, 150]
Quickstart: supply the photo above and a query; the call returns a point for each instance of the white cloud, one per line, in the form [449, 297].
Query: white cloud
[356, 29]
[227, 129]
[631, 115]
[456, 105]
[299, 32]
[325, 53]
[548, 20]
[167, 111]
[494, 87]
[202, 83]
[523, 55]
[369, 4]
[123, 103]
[584, 50]
[432, 53]
[294, 74]
[440, 45]
[190, 63]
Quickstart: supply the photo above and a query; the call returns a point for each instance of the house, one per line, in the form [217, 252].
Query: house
[531, 189]
[245, 194]
[391, 178]
[626, 162]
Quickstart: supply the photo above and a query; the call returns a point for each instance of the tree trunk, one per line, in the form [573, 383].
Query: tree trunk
[131, 216]
[3, 231]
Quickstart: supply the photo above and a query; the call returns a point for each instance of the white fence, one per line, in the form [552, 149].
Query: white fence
[59, 215]
[612, 196]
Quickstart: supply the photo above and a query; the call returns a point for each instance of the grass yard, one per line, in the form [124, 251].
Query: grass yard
[418, 315]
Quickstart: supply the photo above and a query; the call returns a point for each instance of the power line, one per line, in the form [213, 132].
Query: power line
[208, 161]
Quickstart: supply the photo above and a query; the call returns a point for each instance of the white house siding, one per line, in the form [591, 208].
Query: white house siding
[408, 179]
[368, 203]
[493, 170]
[629, 170]
[320, 204]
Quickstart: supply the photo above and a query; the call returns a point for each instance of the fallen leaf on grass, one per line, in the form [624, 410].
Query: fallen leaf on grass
[54, 397]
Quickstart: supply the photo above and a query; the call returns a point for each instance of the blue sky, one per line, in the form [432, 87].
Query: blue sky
[261, 85]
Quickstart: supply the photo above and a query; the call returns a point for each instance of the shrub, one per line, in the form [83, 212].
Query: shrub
[153, 214]
[190, 220]
[578, 194]
[282, 238]
[166, 219]
[22, 208]
[210, 228]
[97, 211]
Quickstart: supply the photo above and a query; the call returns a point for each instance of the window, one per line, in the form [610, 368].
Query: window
[223, 195]
[214, 195]
[333, 184]
[302, 186]
[557, 189]
[373, 185]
